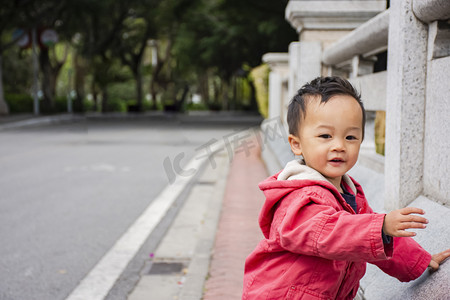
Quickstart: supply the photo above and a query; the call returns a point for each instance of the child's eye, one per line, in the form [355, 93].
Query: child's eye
[351, 137]
[325, 136]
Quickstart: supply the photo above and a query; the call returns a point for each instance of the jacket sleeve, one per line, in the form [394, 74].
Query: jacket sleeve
[324, 231]
[408, 262]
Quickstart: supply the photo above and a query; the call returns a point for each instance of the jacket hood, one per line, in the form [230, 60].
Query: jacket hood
[294, 176]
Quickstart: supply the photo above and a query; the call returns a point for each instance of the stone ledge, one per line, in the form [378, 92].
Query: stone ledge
[432, 286]
[276, 58]
[368, 37]
[337, 15]
[431, 10]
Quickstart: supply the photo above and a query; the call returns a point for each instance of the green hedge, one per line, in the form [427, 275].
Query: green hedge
[19, 103]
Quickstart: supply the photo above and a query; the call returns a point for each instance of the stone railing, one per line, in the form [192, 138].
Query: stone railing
[368, 39]
[354, 54]
[345, 38]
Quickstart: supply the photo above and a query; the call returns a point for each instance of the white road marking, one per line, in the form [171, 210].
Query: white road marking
[97, 284]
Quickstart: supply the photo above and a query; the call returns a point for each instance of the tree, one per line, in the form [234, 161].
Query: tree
[12, 14]
[41, 15]
[137, 29]
[95, 38]
[223, 36]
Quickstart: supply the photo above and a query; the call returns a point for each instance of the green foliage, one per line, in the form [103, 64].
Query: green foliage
[24, 103]
[196, 106]
[260, 77]
[19, 103]
[117, 105]
[17, 74]
[193, 38]
[122, 90]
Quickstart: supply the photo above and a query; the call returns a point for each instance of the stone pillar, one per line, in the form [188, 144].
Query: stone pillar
[320, 24]
[294, 57]
[309, 62]
[278, 63]
[275, 101]
[405, 106]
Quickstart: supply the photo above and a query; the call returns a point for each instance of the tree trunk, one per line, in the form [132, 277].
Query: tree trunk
[44, 62]
[4, 109]
[225, 95]
[104, 99]
[182, 100]
[94, 96]
[80, 74]
[49, 77]
[153, 93]
[253, 101]
[203, 87]
[138, 78]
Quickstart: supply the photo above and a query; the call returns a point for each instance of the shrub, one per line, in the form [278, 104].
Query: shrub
[19, 103]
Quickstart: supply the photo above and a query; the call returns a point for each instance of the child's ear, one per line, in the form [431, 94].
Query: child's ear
[295, 144]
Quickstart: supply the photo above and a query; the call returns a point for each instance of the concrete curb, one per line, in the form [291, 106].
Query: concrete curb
[195, 255]
[35, 121]
[207, 117]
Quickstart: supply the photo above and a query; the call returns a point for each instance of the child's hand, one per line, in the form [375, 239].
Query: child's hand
[438, 259]
[398, 220]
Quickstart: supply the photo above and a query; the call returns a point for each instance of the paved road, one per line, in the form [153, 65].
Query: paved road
[69, 191]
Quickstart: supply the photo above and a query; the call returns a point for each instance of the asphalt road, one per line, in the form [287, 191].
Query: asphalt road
[69, 191]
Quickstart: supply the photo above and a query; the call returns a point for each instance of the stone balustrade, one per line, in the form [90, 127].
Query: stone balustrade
[346, 38]
[368, 39]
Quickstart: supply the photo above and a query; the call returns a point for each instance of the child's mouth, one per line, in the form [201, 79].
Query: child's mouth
[336, 161]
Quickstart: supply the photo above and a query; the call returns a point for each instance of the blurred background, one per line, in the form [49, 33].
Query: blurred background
[137, 55]
[133, 135]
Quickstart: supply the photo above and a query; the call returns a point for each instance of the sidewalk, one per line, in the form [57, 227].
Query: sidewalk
[203, 253]
[238, 232]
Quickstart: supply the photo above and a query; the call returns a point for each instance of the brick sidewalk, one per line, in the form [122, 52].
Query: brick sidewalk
[238, 232]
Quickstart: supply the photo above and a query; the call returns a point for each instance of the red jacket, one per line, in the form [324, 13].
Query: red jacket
[316, 247]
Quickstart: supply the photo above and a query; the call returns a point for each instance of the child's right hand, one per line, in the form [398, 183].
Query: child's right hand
[398, 220]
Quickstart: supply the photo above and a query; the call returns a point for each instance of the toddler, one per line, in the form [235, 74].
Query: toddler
[319, 229]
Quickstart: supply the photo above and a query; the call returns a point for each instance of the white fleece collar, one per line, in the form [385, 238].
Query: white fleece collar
[297, 170]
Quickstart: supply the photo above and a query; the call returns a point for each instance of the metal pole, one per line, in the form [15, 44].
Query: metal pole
[35, 72]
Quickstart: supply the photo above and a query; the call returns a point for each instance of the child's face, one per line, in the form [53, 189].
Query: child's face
[330, 136]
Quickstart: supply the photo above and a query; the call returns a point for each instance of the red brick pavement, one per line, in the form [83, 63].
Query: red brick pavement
[238, 232]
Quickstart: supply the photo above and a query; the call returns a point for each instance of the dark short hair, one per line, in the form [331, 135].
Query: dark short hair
[325, 88]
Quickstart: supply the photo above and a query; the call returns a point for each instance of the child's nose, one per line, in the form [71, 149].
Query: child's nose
[338, 145]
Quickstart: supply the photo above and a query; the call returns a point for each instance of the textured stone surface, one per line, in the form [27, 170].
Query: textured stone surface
[278, 63]
[405, 105]
[309, 62]
[430, 286]
[294, 56]
[439, 39]
[342, 14]
[431, 10]
[437, 132]
[275, 94]
[369, 36]
[373, 90]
